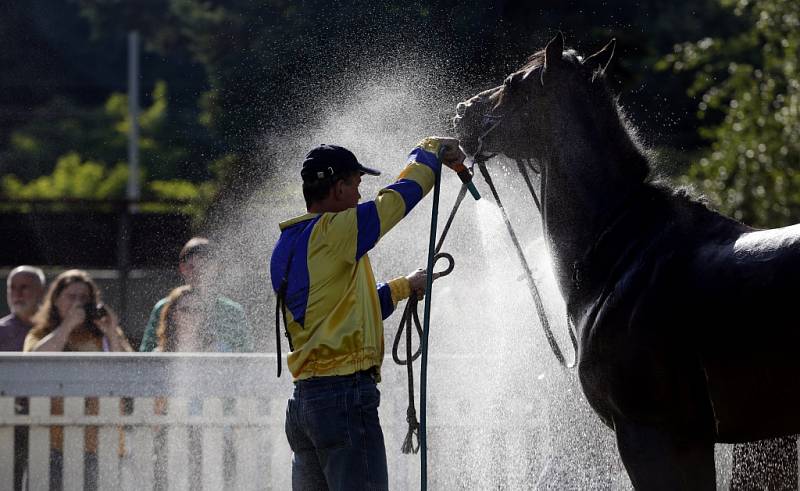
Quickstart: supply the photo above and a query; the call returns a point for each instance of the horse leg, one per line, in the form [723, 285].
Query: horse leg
[658, 459]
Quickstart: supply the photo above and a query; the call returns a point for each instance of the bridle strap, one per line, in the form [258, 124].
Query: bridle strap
[537, 299]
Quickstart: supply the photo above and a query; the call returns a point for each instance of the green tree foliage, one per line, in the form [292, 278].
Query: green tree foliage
[72, 178]
[267, 61]
[749, 86]
[75, 178]
[238, 69]
[99, 133]
[103, 132]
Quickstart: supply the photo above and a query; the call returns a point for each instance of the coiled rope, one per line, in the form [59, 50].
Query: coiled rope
[411, 319]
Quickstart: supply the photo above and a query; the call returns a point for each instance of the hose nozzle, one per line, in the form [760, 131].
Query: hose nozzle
[466, 177]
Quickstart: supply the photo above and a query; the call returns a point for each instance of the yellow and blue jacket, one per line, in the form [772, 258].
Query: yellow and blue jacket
[334, 308]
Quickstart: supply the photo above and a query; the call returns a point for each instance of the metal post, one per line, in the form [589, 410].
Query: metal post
[133, 188]
[133, 111]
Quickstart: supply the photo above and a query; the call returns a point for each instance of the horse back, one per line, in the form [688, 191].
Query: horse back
[743, 284]
[696, 326]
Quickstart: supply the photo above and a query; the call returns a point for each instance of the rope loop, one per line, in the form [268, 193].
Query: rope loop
[409, 321]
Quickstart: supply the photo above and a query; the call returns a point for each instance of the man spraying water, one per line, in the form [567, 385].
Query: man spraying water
[334, 310]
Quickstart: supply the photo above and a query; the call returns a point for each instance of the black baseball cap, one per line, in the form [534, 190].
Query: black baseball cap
[330, 160]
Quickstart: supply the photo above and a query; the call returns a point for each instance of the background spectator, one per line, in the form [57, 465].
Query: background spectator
[184, 323]
[64, 323]
[24, 291]
[220, 315]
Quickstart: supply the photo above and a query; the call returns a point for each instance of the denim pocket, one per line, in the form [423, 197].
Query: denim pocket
[370, 396]
[326, 421]
[294, 434]
[370, 400]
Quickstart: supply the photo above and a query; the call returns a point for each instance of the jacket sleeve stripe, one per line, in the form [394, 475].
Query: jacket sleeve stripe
[369, 228]
[385, 297]
[426, 158]
[410, 190]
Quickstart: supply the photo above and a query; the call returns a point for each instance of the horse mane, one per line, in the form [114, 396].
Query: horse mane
[613, 116]
[683, 197]
[608, 112]
[536, 60]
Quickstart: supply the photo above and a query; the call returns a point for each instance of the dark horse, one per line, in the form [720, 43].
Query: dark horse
[685, 318]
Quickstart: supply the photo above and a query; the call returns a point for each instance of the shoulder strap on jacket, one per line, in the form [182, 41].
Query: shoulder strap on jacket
[280, 303]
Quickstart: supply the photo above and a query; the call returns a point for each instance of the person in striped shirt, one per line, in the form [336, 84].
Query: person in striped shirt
[334, 310]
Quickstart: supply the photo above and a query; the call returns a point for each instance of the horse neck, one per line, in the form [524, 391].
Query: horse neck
[585, 184]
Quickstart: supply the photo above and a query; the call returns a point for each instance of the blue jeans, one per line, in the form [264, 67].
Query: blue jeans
[333, 429]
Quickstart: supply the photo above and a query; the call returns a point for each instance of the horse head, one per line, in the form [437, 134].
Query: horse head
[523, 117]
[558, 112]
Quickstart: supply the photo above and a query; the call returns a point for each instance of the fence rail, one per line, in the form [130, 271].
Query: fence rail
[188, 421]
[158, 418]
[139, 374]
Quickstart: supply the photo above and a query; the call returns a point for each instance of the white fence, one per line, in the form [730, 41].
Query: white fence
[190, 421]
[234, 401]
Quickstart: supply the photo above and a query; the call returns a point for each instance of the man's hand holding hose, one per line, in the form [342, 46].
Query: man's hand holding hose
[451, 154]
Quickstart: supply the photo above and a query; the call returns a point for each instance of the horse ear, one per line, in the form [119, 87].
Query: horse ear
[553, 51]
[599, 61]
